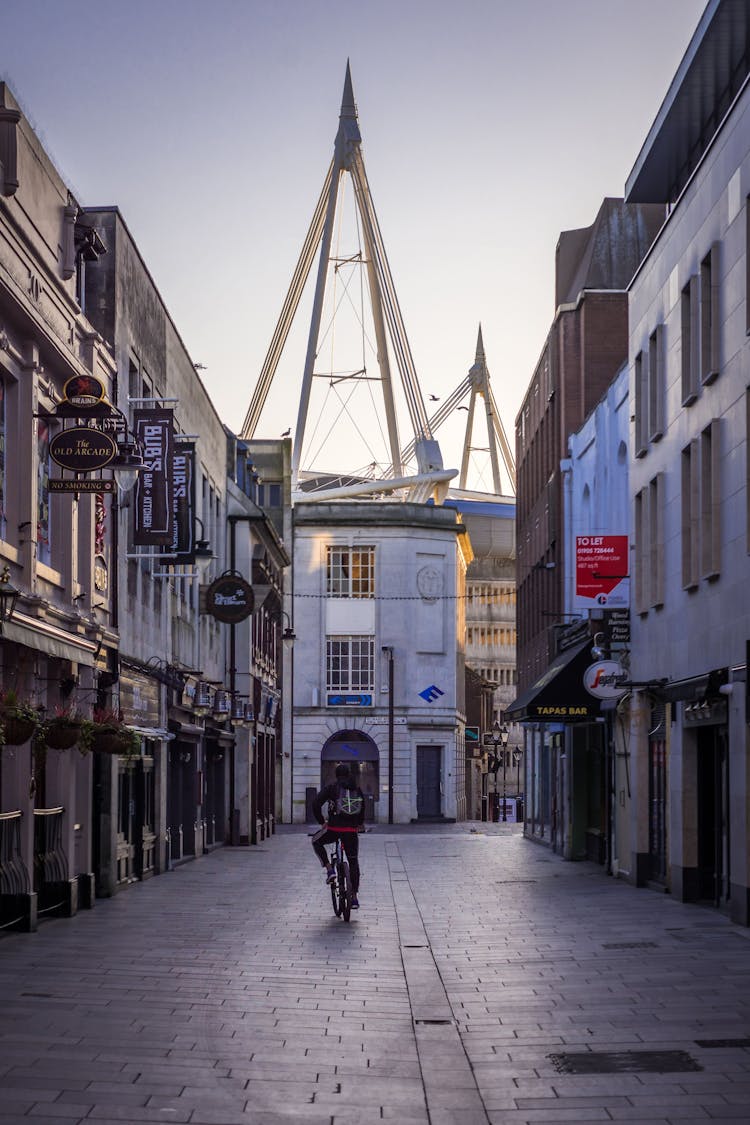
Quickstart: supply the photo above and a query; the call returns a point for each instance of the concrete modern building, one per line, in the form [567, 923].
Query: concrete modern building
[585, 348]
[690, 480]
[378, 680]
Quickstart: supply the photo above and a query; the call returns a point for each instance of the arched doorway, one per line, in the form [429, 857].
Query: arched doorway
[363, 758]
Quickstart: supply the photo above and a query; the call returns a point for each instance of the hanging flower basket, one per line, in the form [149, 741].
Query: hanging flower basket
[62, 734]
[111, 736]
[16, 729]
[18, 721]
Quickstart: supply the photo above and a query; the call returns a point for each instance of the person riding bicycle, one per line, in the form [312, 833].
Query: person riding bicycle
[346, 815]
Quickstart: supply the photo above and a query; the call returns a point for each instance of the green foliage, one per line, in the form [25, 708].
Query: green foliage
[13, 710]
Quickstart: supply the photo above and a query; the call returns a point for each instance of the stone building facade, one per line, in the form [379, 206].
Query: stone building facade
[59, 649]
[378, 677]
[690, 479]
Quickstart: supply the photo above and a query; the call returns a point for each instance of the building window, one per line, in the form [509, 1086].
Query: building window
[350, 572]
[641, 402]
[690, 526]
[710, 521]
[689, 336]
[641, 551]
[656, 384]
[656, 540]
[747, 266]
[350, 663]
[710, 315]
[3, 483]
[747, 469]
[43, 524]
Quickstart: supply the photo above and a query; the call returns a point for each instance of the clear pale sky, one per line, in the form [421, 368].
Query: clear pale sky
[488, 127]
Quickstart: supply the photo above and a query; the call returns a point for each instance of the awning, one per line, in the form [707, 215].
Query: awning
[50, 640]
[558, 696]
[695, 688]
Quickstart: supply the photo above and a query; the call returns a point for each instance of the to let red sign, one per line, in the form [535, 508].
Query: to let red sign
[602, 571]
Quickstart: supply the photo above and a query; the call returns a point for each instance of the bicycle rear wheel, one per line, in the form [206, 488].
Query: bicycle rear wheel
[345, 890]
[335, 891]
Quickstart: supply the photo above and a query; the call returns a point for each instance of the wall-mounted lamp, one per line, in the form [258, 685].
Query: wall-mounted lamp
[204, 556]
[221, 708]
[202, 699]
[128, 463]
[8, 597]
[598, 648]
[237, 716]
[288, 633]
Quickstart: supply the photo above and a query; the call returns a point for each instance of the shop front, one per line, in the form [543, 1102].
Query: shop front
[564, 752]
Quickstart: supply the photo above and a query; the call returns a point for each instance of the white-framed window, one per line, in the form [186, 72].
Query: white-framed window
[350, 663]
[350, 572]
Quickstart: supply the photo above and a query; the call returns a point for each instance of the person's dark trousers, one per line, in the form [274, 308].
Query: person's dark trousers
[350, 842]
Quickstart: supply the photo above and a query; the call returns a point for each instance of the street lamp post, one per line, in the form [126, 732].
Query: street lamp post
[500, 735]
[504, 734]
[517, 755]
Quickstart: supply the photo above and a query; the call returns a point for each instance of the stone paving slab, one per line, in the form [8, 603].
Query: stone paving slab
[203, 997]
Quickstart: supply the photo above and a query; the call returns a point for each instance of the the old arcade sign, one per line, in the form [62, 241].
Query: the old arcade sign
[82, 449]
[230, 599]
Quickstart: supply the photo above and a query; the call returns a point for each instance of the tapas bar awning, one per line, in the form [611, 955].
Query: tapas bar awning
[558, 696]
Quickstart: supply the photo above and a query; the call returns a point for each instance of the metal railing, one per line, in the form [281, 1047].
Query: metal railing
[50, 861]
[14, 878]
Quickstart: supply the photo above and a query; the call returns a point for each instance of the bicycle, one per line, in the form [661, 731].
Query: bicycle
[341, 885]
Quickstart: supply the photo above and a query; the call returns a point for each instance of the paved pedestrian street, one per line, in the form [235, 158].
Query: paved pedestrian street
[483, 980]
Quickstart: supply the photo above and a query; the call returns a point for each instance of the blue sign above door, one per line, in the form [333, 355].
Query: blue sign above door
[349, 701]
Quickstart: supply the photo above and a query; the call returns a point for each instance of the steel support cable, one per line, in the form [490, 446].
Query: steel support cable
[409, 378]
[288, 310]
[508, 458]
[440, 415]
[370, 237]
[311, 350]
[343, 409]
[381, 328]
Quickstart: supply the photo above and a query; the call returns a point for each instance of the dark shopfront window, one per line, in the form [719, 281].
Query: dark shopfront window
[539, 794]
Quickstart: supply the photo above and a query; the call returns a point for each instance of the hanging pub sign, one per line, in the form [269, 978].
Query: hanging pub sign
[84, 391]
[230, 599]
[81, 449]
[183, 502]
[153, 489]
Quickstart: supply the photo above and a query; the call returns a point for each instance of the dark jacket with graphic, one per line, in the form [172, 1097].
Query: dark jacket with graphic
[330, 795]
